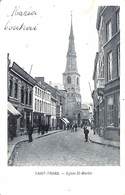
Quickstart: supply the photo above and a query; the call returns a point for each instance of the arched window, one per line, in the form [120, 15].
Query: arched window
[11, 87]
[22, 95]
[16, 89]
[68, 79]
[30, 98]
[26, 96]
[77, 81]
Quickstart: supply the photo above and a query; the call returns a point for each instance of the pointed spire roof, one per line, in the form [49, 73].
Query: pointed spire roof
[71, 29]
[71, 65]
[71, 49]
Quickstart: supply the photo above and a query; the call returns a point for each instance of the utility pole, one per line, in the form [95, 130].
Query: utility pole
[30, 69]
[90, 88]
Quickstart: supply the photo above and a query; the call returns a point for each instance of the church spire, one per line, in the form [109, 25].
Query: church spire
[71, 54]
[71, 29]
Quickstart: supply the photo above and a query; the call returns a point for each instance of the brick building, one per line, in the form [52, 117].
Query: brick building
[106, 76]
[20, 96]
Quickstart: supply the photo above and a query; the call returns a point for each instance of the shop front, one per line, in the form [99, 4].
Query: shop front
[13, 116]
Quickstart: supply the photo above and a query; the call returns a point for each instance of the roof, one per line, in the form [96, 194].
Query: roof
[22, 73]
[99, 12]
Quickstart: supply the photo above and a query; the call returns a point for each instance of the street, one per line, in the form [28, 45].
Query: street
[65, 148]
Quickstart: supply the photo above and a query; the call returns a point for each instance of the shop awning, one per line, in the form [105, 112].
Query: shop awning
[13, 110]
[65, 120]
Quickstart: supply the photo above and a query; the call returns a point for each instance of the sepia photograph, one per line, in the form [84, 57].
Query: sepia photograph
[62, 101]
[63, 81]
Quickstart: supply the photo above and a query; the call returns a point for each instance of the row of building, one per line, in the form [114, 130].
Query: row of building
[106, 76]
[32, 100]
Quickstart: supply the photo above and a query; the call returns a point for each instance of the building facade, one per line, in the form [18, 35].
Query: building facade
[55, 104]
[41, 106]
[20, 95]
[71, 82]
[106, 75]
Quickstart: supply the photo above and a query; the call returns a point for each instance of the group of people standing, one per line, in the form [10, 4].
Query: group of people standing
[42, 128]
[74, 127]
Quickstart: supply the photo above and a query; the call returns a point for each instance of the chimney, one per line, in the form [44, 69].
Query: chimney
[56, 86]
[50, 83]
[38, 79]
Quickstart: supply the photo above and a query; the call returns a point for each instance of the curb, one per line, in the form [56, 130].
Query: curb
[12, 155]
[48, 134]
[100, 143]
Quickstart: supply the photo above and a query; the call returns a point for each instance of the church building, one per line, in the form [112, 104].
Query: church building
[71, 82]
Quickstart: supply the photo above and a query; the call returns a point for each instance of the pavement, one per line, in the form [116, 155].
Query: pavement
[95, 138]
[24, 138]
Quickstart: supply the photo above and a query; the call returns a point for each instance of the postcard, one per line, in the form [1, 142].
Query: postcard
[62, 97]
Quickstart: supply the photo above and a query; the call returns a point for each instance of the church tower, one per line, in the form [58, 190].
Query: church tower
[71, 82]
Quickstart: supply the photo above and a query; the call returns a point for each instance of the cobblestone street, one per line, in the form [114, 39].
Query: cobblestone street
[65, 149]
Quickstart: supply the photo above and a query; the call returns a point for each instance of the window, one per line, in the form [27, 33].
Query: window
[16, 90]
[118, 60]
[117, 21]
[69, 80]
[38, 91]
[35, 104]
[30, 98]
[109, 66]
[108, 31]
[110, 111]
[26, 96]
[40, 106]
[11, 87]
[118, 107]
[35, 90]
[101, 69]
[77, 81]
[22, 94]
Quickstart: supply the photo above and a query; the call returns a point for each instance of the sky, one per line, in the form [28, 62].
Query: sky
[46, 48]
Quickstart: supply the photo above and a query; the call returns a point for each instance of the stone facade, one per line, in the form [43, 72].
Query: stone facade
[56, 104]
[71, 82]
[41, 105]
[107, 73]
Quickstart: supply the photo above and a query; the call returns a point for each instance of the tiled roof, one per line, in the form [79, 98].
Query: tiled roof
[16, 68]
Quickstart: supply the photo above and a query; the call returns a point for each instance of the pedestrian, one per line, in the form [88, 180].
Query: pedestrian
[47, 128]
[86, 132]
[30, 131]
[42, 129]
[72, 128]
[39, 127]
[75, 126]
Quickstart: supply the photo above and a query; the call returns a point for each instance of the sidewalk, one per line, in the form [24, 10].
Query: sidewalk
[24, 138]
[95, 138]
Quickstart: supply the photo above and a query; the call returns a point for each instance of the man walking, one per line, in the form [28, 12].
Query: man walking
[29, 131]
[86, 132]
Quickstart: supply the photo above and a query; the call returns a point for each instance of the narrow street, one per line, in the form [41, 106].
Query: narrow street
[65, 149]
